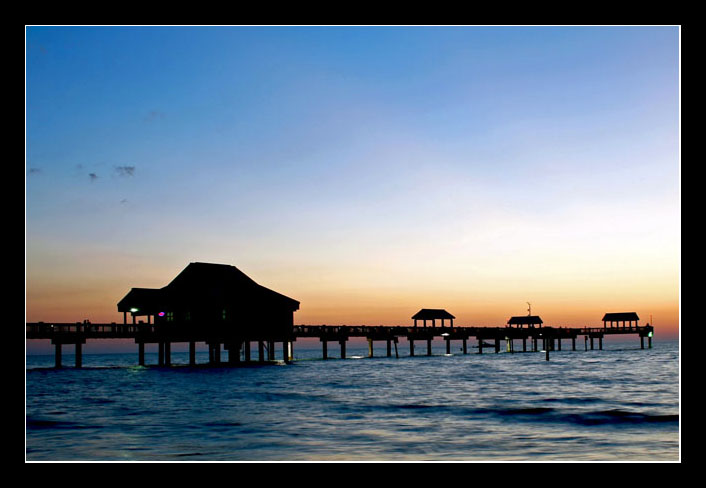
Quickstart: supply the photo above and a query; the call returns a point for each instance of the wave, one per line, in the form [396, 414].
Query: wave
[41, 424]
[543, 414]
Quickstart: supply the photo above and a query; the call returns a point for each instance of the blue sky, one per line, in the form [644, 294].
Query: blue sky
[329, 160]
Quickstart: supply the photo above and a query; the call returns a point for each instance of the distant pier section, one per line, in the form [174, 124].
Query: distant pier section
[222, 307]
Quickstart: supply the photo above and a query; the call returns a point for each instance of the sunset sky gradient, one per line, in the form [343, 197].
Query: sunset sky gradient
[367, 172]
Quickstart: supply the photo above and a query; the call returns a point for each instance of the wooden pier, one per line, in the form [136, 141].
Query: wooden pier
[531, 339]
[221, 306]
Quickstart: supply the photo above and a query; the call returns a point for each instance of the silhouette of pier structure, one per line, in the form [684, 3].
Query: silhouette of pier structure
[222, 307]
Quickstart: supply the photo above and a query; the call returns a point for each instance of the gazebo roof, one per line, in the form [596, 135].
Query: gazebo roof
[432, 313]
[206, 284]
[620, 316]
[525, 320]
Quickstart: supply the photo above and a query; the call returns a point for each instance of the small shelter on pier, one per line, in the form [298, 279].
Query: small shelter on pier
[528, 320]
[433, 314]
[617, 318]
[219, 297]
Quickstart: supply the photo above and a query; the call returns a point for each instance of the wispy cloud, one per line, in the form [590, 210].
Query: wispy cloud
[154, 115]
[125, 170]
[34, 171]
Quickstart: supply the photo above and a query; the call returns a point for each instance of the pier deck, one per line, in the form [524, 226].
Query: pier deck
[486, 337]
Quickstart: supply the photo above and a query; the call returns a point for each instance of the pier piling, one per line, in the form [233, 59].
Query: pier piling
[57, 355]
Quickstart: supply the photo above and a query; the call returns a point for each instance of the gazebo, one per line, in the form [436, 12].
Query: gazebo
[216, 296]
[623, 317]
[528, 320]
[433, 314]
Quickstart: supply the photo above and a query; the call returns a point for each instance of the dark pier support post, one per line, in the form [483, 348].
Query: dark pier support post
[234, 353]
[246, 347]
[370, 347]
[270, 350]
[649, 342]
[141, 353]
[167, 353]
[160, 355]
[573, 343]
[342, 342]
[558, 344]
[389, 348]
[57, 355]
[524, 344]
[497, 345]
[465, 346]
[591, 343]
[585, 342]
[78, 355]
[600, 343]
[448, 346]
[534, 344]
[285, 351]
[642, 342]
[411, 347]
[480, 345]
[324, 348]
[192, 353]
[217, 352]
[429, 347]
[397, 354]
[261, 351]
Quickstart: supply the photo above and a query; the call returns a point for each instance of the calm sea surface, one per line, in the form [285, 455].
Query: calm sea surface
[618, 404]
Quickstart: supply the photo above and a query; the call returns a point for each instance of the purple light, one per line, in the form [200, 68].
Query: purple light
[161, 314]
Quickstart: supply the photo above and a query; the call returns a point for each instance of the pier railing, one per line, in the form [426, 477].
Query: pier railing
[39, 330]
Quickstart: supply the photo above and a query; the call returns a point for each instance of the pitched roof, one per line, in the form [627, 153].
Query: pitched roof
[141, 298]
[620, 316]
[205, 283]
[432, 313]
[525, 320]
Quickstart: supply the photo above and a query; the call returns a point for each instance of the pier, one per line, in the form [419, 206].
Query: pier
[485, 339]
[220, 306]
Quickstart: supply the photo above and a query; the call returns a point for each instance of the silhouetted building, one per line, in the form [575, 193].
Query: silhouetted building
[623, 317]
[216, 298]
[433, 314]
[528, 320]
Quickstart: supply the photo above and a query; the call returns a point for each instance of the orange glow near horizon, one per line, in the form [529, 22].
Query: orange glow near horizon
[335, 301]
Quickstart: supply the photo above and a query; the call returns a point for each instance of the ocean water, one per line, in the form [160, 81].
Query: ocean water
[618, 404]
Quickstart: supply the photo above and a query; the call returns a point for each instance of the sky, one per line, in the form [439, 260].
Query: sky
[366, 172]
